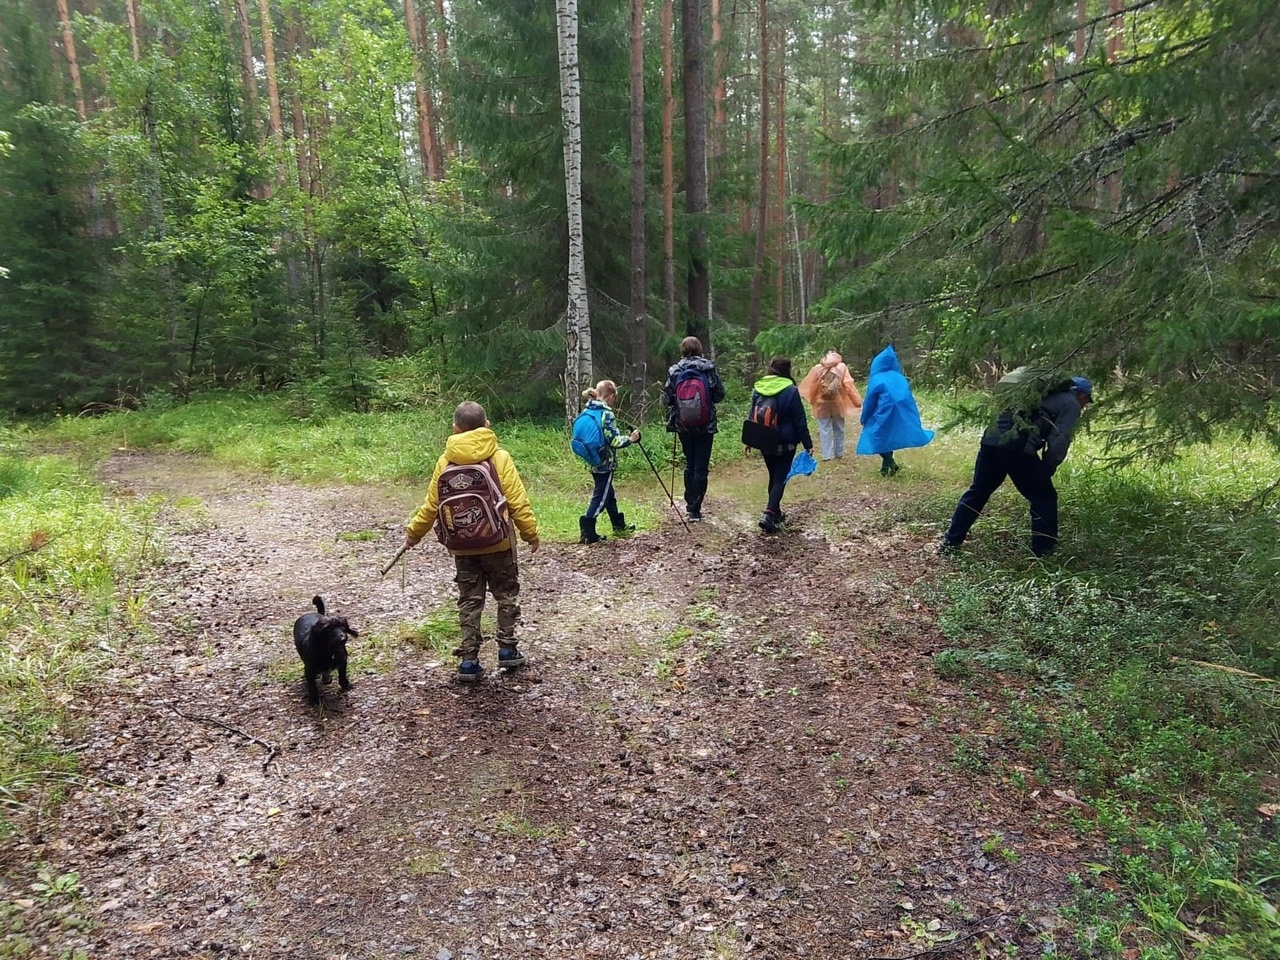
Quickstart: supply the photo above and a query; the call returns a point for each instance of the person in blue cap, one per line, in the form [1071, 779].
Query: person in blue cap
[1027, 449]
[890, 417]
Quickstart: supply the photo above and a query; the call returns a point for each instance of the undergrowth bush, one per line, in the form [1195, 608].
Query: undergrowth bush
[1149, 641]
[69, 603]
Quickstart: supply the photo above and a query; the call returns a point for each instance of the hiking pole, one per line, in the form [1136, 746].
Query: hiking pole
[399, 553]
[654, 467]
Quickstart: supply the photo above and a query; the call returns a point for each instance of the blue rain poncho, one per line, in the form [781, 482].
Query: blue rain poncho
[890, 417]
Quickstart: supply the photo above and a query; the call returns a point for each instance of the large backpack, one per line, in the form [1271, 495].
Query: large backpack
[761, 430]
[588, 440]
[693, 401]
[473, 509]
[1022, 423]
[829, 384]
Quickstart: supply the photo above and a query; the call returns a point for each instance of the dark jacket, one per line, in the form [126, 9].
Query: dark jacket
[677, 372]
[791, 416]
[1050, 429]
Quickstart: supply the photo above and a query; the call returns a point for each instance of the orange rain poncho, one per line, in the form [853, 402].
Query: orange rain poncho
[846, 400]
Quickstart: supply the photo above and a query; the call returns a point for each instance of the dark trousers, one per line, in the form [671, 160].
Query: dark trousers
[697, 466]
[1029, 475]
[602, 499]
[499, 574]
[779, 465]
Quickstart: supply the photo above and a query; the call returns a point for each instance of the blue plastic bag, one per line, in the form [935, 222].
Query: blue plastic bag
[802, 465]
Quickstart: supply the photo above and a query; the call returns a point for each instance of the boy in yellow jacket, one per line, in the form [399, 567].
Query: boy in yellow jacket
[474, 499]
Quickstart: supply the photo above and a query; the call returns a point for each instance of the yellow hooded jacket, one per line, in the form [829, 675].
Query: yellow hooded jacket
[477, 446]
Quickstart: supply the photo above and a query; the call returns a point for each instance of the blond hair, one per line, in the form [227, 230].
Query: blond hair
[601, 389]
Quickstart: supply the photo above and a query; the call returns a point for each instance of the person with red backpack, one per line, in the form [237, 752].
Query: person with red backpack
[476, 502]
[692, 390]
[776, 426]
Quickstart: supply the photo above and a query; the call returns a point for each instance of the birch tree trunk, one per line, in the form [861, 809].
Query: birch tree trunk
[668, 172]
[639, 311]
[577, 373]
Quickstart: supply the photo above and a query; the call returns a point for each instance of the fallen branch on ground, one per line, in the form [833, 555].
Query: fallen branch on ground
[271, 750]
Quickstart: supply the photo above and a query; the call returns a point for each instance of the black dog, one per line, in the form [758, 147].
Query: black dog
[322, 644]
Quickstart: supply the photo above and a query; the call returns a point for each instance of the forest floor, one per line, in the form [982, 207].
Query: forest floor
[724, 745]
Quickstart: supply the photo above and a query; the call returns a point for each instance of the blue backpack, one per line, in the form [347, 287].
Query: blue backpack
[588, 437]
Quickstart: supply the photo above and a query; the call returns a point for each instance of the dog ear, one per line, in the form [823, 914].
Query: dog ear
[350, 629]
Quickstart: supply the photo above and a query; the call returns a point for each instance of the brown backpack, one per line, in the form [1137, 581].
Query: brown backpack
[473, 509]
[829, 384]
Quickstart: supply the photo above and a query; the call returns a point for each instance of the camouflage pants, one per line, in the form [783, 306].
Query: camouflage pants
[499, 574]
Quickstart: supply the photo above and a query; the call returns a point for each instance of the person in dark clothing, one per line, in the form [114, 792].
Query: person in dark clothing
[776, 401]
[1012, 447]
[692, 390]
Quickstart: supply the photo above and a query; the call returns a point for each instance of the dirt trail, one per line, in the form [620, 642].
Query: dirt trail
[726, 745]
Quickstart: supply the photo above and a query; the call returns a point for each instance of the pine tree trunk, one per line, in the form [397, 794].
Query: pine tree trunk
[248, 75]
[73, 64]
[780, 179]
[442, 62]
[668, 170]
[427, 149]
[639, 311]
[131, 14]
[578, 365]
[762, 205]
[695, 170]
[273, 85]
[719, 84]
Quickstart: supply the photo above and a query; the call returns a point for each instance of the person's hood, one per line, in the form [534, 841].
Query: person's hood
[474, 446]
[701, 364]
[832, 359]
[772, 385]
[886, 361]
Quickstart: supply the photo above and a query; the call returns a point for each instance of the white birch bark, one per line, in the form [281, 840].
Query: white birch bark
[577, 374]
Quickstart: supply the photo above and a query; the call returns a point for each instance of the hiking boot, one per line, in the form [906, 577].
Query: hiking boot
[469, 671]
[693, 514]
[768, 524]
[587, 530]
[510, 657]
[948, 549]
[620, 525]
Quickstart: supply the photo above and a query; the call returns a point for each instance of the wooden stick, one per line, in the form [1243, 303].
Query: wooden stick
[271, 750]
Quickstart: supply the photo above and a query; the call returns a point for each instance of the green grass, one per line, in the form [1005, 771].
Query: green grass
[1160, 569]
[70, 563]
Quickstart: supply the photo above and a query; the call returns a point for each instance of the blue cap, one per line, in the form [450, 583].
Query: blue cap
[1082, 385]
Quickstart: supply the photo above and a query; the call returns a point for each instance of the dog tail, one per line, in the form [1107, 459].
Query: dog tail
[319, 605]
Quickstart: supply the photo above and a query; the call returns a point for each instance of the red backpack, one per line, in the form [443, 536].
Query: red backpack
[473, 509]
[693, 402]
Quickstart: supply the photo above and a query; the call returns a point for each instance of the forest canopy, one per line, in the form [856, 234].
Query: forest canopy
[340, 193]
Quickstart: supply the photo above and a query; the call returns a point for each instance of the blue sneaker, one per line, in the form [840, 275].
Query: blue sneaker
[469, 671]
[510, 657]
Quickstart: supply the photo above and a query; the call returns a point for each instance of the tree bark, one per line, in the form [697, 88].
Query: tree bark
[427, 147]
[578, 361]
[73, 64]
[639, 311]
[719, 84]
[247, 73]
[780, 180]
[131, 14]
[668, 172]
[273, 84]
[442, 61]
[762, 205]
[695, 171]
